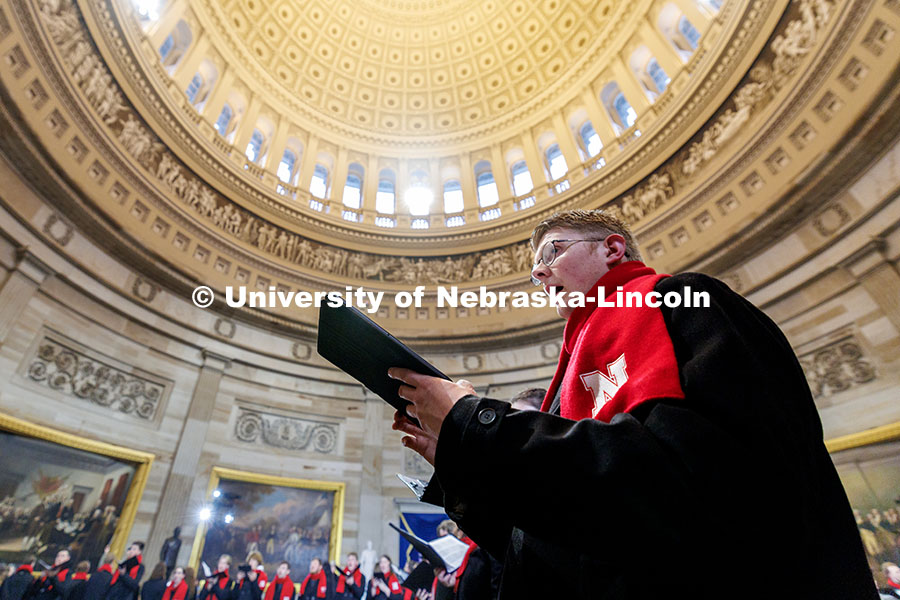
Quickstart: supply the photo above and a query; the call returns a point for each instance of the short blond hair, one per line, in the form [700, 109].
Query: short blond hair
[588, 221]
[255, 554]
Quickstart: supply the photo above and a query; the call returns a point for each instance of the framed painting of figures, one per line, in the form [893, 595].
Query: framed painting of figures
[294, 520]
[868, 464]
[59, 490]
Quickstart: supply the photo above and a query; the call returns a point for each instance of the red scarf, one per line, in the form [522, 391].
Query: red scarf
[896, 586]
[61, 576]
[133, 573]
[317, 579]
[261, 577]
[180, 591]
[80, 577]
[342, 581]
[26, 568]
[393, 584]
[614, 359]
[286, 584]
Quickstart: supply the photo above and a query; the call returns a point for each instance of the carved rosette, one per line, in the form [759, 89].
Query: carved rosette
[73, 373]
[836, 367]
[288, 433]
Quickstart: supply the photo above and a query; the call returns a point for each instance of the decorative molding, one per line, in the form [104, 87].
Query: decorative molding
[72, 371]
[145, 290]
[836, 367]
[225, 328]
[58, 229]
[287, 433]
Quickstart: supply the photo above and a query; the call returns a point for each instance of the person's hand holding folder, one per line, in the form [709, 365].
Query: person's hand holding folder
[431, 399]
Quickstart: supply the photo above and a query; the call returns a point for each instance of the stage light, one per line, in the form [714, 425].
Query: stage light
[229, 518]
[216, 493]
[205, 513]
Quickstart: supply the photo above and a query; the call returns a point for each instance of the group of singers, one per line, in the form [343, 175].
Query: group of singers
[114, 580]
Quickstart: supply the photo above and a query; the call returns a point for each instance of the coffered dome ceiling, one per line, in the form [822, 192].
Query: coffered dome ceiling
[285, 143]
[419, 68]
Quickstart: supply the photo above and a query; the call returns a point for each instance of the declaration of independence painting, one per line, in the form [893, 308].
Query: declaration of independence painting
[871, 476]
[63, 491]
[283, 519]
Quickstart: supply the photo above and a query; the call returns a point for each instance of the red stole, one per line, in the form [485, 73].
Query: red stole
[614, 359]
[342, 581]
[132, 573]
[465, 561]
[261, 577]
[61, 576]
[318, 580]
[896, 586]
[80, 577]
[223, 579]
[287, 589]
[179, 592]
[26, 568]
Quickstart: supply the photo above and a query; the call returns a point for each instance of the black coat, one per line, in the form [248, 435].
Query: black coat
[16, 585]
[153, 589]
[733, 481]
[97, 586]
[126, 587]
[246, 590]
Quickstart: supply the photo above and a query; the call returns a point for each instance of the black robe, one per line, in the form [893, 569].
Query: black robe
[677, 498]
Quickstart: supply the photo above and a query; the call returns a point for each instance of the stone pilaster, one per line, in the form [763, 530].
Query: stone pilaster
[18, 289]
[173, 505]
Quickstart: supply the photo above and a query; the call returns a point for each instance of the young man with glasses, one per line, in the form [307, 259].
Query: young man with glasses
[682, 437]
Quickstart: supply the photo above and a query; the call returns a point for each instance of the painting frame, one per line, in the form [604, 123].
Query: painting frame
[142, 462]
[868, 463]
[228, 474]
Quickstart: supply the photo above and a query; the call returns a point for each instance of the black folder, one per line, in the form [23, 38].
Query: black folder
[421, 578]
[130, 563]
[357, 345]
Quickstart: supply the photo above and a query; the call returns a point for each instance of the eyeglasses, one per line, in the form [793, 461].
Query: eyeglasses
[549, 252]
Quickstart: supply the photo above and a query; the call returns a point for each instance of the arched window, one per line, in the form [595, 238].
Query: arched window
[286, 166]
[658, 75]
[591, 140]
[617, 106]
[194, 87]
[484, 184]
[352, 197]
[419, 196]
[453, 197]
[690, 33]
[713, 6]
[556, 162]
[521, 179]
[224, 120]
[385, 198]
[167, 46]
[626, 113]
[318, 186]
[175, 45]
[254, 146]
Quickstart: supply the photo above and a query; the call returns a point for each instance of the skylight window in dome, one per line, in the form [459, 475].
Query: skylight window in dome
[556, 162]
[385, 197]
[592, 143]
[453, 197]
[521, 179]
[658, 75]
[224, 120]
[194, 87]
[318, 186]
[254, 146]
[286, 166]
[166, 47]
[689, 32]
[486, 188]
[352, 192]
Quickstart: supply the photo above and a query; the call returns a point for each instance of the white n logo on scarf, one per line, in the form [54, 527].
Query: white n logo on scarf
[603, 386]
